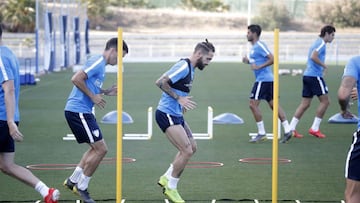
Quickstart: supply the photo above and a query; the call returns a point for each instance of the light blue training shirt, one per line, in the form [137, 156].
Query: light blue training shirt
[313, 69]
[352, 69]
[9, 70]
[258, 55]
[168, 104]
[95, 70]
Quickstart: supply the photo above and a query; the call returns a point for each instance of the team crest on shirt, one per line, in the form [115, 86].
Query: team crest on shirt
[96, 133]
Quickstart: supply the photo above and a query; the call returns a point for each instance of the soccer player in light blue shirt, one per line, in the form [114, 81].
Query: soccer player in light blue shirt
[260, 59]
[314, 83]
[176, 84]
[86, 93]
[351, 80]
[9, 121]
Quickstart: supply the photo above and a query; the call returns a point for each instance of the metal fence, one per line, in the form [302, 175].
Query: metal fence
[293, 46]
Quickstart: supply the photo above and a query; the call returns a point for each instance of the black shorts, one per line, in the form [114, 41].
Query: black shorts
[313, 86]
[84, 127]
[352, 166]
[6, 141]
[262, 91]
[166, 120]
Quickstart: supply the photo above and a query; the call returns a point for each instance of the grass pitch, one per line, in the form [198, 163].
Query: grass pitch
[315, 174]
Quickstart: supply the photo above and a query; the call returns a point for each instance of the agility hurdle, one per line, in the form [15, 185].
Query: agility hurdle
[209, 134]
[142, 136]
[147, 136]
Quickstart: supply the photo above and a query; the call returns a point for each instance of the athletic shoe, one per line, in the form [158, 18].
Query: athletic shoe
[297, 135]
[173, 195]
[68, 184]
[317, 134]
[84, 194]
[287, 137]
[257, 138]
[52, 196]
[163, 181]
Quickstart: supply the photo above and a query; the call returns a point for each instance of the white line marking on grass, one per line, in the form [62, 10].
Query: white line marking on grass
[213, 201]
[166, 200]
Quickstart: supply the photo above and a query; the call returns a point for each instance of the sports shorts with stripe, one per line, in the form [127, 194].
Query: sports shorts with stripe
[313, 86]
[262, 91]
[165, 120]
[6, 141]
[83, 126]
[352, 166]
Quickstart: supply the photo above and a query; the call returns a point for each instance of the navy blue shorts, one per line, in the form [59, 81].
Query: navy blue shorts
[83, 126]
[313, 86]
[352, 166]
[166, 120]
[6, 141]
[262, 91]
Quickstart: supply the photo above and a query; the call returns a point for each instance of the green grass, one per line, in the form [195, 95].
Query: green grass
[315, 174]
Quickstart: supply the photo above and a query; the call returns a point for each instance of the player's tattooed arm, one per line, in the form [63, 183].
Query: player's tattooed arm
[163, 84]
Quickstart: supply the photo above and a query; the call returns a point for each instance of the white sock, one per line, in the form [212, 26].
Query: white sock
[169, 171]
[316, 124]
[83, 182]
[172, 184]
[286, 126]
[75, 176]
[293, 123]
[261, 128]
[42, 188]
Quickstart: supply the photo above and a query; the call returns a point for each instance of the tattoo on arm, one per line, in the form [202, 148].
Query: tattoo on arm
[163, 84]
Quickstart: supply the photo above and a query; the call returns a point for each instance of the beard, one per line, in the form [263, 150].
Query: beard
[200, 64]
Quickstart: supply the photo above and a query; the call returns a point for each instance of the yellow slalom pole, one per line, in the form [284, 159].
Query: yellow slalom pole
[119, 118]
[275, 119]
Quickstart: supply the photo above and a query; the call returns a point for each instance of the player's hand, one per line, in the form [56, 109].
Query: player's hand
[14, 132]
[187, 103]
[245, 60]
[99, 101]
[354, 94]
[111, 91]
[347, 115]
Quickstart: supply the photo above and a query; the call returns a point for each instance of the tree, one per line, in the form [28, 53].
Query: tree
[18, 15]
[273, 16]
[341, 13]
[96, 11]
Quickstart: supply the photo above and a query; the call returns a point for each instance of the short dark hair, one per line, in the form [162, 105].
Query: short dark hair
[255, 29]
[112, 43]
[327, 29]
[205, 46]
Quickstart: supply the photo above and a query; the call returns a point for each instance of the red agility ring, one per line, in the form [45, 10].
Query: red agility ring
[72, 166]
[201, 164]
[263, 160]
